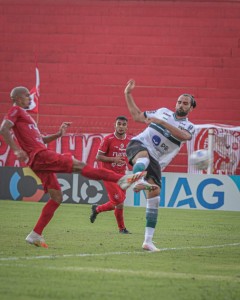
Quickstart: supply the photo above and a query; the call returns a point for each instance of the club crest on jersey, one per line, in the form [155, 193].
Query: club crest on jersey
[116, 196]
[156, 140]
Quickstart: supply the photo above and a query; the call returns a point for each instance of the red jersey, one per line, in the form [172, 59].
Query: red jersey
[26, 131]
[112, 146]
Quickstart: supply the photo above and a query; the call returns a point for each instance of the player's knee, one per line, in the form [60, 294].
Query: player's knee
[56, 195]
[154, 193]
[58, 199]
[119, 206]
[153, 202]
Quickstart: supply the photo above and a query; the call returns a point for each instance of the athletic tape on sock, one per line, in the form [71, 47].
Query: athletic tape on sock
[143, 160]
[141, 164]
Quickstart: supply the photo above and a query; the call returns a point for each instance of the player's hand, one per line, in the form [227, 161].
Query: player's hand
[130, 86]
[119, 160]
[63, 128]
[21, 155]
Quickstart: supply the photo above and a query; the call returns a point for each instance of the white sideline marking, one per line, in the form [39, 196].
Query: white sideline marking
[113, 253]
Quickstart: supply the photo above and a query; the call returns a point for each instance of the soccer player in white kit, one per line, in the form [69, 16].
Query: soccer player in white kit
[154, 148]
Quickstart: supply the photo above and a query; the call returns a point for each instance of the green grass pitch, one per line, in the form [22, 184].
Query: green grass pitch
[199, 257]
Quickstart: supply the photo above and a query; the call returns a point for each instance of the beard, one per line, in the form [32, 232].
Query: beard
[181, 113]
[120, 133]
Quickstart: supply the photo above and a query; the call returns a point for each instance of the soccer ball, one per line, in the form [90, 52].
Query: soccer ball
[200, 159]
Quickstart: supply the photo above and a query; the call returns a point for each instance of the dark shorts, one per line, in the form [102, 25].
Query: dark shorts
[46, 163]
[153, 169]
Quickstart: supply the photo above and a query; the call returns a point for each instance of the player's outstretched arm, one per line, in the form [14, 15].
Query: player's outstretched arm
[180, 134]
[134, 110]
[62, 130]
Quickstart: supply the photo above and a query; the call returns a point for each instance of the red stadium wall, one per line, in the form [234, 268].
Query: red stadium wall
[87, 50]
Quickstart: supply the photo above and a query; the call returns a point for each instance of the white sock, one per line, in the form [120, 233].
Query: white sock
[149, 232]
[151, 216]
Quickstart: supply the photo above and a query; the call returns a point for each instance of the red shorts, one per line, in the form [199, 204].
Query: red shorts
[46, 163]
[115, 194]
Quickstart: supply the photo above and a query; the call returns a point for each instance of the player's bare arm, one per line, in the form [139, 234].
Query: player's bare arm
[134, 110]
[5, 131]
[62, 130]
[180, 134]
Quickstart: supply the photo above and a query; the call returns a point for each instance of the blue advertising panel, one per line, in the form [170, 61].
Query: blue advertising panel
[179, 190]
[195, 191]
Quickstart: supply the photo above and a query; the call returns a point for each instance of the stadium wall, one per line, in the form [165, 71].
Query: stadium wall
[179, 190]
[87, 50]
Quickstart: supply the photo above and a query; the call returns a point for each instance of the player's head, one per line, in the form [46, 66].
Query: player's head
[185, 104]
[21, 96]
[121, 125]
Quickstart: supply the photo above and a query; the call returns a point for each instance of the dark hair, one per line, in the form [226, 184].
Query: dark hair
[122, 118]
[193, 101]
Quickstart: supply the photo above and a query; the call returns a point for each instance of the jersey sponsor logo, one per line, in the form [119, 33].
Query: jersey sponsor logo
[166, 133]
[119, 154]
[190, 127]
[156, 140]
[151, 111]
[33, 126]
[164, 147]
[167, 114]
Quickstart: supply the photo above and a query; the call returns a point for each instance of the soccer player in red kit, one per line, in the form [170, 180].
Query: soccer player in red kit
[44, 162]
[112, 154]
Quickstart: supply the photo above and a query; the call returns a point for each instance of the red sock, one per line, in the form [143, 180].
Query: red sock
[105, 207]
[119, 217]
[100, 174]
[46, 215]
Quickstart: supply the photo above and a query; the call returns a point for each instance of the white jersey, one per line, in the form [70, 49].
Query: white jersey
[159, 142]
